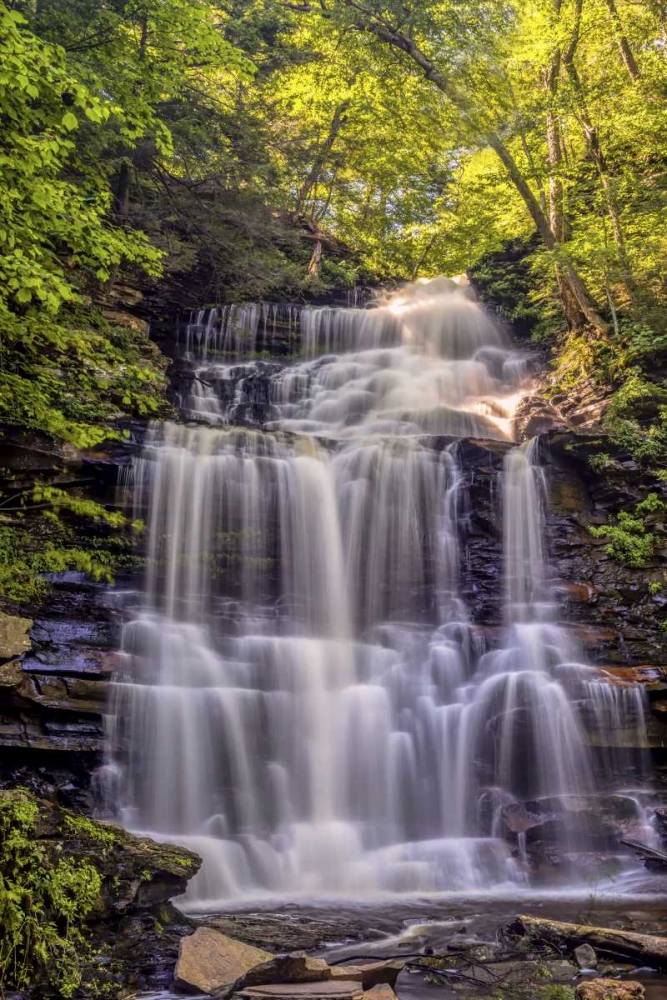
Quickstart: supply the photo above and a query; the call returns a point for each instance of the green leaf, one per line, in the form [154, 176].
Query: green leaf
[70, 121]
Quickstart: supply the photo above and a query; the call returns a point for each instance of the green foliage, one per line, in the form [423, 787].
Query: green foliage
[44, 902]
[23, 573]
[43, 533]
[506, 280]
[630, 540]
[600, 461]
[74, 387]
[55, 232]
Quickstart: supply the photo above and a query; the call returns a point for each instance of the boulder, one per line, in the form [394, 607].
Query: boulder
[300, 969]
[586, 957]
[211, 962]
[609, 989]
[346, 973]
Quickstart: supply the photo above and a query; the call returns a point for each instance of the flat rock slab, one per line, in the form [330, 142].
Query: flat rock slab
[331, 989]
[211, 962]
[372, 974]
[297, 967]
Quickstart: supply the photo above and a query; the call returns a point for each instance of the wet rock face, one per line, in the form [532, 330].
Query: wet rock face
[577, 820]
[55, 669]
[536, 415]
[53, 696]
[482, 527]
[620, 621]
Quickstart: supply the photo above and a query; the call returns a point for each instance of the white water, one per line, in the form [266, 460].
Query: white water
[302, 698]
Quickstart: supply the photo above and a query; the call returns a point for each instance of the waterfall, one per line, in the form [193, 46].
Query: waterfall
[302, 697]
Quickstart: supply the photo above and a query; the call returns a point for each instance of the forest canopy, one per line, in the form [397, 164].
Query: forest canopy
[286, 149]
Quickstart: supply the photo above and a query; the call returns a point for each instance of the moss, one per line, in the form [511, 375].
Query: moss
[78, 826]
[44, 902]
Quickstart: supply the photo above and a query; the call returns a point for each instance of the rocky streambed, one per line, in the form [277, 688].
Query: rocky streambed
[421, 949]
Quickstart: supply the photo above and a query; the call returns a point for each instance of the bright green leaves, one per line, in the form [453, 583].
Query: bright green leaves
[55, 236]
[69, 121]
[49, 222]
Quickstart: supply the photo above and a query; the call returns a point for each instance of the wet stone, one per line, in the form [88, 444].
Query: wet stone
[586, 957]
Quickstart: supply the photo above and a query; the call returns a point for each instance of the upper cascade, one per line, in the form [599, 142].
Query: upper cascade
[303, 698]
[427, 360]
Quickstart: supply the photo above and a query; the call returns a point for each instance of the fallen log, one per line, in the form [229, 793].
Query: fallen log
[653, 859]
[644, 949]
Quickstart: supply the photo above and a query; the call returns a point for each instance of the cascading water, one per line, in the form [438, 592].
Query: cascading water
[302, 698]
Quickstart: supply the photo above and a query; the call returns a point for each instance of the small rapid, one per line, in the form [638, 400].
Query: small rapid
[302, 697]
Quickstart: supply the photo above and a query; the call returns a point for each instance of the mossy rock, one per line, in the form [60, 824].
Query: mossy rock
[91, 884]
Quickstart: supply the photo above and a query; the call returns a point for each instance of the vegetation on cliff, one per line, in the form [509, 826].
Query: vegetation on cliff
[44, 904]
[65, 882]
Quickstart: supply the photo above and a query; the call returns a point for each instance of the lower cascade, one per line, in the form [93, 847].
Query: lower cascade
[302, 697]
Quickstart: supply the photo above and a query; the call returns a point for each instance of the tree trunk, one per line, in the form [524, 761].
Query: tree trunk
[422, 257]
[627, 54]
[534, 172]
[313, 176]
[121, 194]
[315, 258]
[595, 150]
[572, 280]
[573, 312]
[643, 948]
